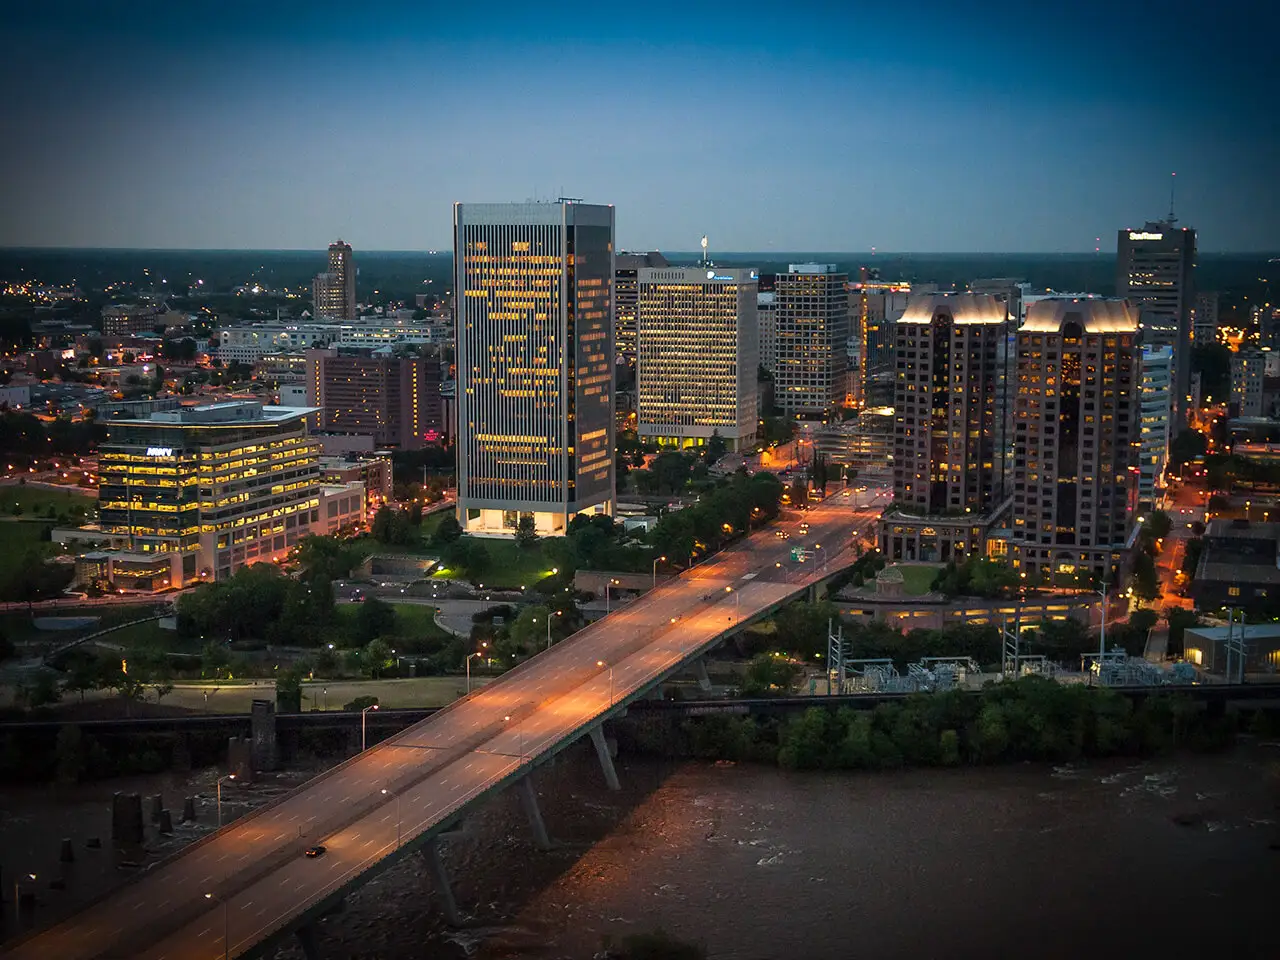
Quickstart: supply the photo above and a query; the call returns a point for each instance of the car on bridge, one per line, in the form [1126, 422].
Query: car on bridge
[316, 851]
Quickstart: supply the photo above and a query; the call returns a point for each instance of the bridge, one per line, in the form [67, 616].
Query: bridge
[241, 889]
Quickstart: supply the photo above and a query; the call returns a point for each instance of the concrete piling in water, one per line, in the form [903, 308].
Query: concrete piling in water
[189, 810]
[166, 821]
[67, 854]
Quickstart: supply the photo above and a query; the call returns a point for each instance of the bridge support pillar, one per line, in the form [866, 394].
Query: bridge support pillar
[700, 671]
[606, 761]
[541, 839]
[431, 853]
[308, 941]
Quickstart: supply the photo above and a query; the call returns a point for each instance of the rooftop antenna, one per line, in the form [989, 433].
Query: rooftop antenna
[1173, 182]
[704, 250]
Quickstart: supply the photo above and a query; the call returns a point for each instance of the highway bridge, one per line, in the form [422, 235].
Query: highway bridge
[239, 890]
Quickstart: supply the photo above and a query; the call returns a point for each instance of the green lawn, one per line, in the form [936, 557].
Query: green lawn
[511, 566]
[415, 625]
[34, 501]
[917, 579]
[17, 538]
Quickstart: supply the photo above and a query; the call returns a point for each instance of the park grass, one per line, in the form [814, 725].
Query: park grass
[415, 625]
[17, 539]
[916, 580]
[511, 566]
[36, 500]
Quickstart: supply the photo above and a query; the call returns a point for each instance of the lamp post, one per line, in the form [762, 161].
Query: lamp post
[601, 663]
[470, 657]
[607, 584]
[656, 561]
[229, 776]
[17, 898]
[558, 613]
[1102, 628]
[384, 793]
[226, 924]
[818, 546]
[363, 715]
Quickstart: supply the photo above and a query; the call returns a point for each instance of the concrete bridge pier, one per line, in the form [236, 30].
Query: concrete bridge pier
[606, 759]
[431, 853]
[700, 672]
[308, 941]
[528, 797]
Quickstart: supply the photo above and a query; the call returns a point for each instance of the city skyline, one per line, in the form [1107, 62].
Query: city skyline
[847, 135]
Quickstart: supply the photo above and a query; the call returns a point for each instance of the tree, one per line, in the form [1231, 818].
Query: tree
[673, 470]
[449, 529]
[769, 674]
[326, 558]
[377, 656]
[1180, 621]
[214, 659]
[69, 752]
[526, 532]
[1146, 584]
[799, 492]
[1186, 446]
[820, 473]
[715, 448]
[415, 513]
[376, 618]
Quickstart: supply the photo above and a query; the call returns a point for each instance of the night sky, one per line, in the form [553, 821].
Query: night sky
[907, 126]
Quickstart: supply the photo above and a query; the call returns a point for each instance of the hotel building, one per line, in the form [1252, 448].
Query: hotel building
[812, 329]
[1077, 436]
[394, 398]
[698, 358]
[535, 355]
[951, 445]
[195, 493]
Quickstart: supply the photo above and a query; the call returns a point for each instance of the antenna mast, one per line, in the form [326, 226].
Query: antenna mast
[705, 261]
[1173, 182]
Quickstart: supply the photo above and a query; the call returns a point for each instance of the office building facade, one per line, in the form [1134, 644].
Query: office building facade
[334, 291]
[535, 356]
[812, 324]
[1077, 437]
[698, 355]
[391, 396]
[951, 447]
[1204, 319]
[626, 291]
[1157, 399]
[1155, 272]
[195, 493]
[767, 319]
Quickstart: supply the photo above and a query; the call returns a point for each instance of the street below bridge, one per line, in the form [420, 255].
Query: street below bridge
[248, 882]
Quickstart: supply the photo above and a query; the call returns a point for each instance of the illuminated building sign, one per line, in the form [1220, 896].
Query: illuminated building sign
[159, 451]
[1145, 236]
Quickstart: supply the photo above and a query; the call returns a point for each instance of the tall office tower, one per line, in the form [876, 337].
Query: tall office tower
[1155, 271]
[812, 321]
[535, 356]
[391, 396]
[698, 343]
[879, 304]
[334, 291]
[1076, 439]
[197, 492]
[951, 448]
[1248, 381]
[1157, 398]
[626, 266]
[767, 317]
[1204, 319]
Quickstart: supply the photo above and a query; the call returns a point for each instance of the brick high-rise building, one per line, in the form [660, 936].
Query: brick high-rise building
[333, 292]
[1077, 436]
[951, 444]
[392, 397]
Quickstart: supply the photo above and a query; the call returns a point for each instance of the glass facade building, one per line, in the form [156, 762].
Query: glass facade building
[698, 355]
[535, 353]
[811, 320]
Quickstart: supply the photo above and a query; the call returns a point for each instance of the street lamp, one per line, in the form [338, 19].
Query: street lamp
[607, 584]
[601, 663]
[326, 698]
[384, 793]
[17, 898]
[818, 546]
[363, 714]
[226, 924]
[558, 613]
[656, 561]
[229, 776]
[470, 657]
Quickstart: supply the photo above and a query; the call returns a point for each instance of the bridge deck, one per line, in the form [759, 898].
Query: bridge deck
[250, 878]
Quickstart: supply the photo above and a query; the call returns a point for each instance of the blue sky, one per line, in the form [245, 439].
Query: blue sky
[912, 126]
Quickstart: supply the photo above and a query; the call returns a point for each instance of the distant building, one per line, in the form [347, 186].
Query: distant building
[392, 397]
[125, 319]
[15, 397]
[625, 294]
[1077, 435]
[195, 493]
[372, 471]
[767, 317]
[1239, 567]
[1157, 383]
[334, 291]
[950, 445]
[1248, 378]
[865, 443]
[1155, 272]
[698, 355]
[875, 307]
[1204, 319]
[812, 321]
[535, 360]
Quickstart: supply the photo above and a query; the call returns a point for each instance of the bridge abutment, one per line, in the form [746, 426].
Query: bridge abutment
[431, 854]
[529, 798]
[700, 672]
[605, 757]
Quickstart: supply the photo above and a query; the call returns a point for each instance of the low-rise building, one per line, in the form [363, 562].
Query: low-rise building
[1239, 566]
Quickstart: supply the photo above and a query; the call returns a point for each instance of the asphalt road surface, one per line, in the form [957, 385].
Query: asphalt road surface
[250, 879]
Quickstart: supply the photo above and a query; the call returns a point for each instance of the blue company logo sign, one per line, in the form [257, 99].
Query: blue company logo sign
[712, 275]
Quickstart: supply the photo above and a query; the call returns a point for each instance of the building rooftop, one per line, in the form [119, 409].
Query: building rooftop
[962, 307]
[233, 411]
[1094, 315]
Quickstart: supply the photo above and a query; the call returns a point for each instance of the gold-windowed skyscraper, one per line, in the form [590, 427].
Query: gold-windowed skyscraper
[697, 344]
[535, 351]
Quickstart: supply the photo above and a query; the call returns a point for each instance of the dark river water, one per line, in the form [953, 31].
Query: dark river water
[1166, 858]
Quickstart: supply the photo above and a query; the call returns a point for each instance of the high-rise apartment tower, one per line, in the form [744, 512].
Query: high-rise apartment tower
[334, 291]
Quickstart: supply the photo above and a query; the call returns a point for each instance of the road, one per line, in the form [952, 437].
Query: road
[250, 880]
